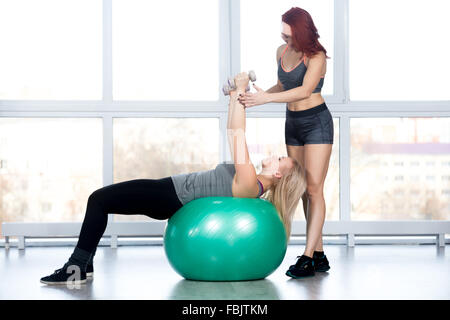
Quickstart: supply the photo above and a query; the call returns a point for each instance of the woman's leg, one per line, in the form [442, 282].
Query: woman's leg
[155, 198]
[317, 158]
[298, 153]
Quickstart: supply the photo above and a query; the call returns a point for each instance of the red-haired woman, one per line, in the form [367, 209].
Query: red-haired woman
[309, 125]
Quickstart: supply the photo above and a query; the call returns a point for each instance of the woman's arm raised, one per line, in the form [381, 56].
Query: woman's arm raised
[245, 171]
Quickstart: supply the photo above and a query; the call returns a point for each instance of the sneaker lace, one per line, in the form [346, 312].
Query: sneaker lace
[303, 263]
[58, 271]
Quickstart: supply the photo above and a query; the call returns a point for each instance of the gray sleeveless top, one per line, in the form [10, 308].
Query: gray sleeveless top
[211, 183]
[294, 78]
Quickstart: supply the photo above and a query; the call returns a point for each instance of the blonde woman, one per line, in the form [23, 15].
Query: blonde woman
[309, 125]
[281, 181]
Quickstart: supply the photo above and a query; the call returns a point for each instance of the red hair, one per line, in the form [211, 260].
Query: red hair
[304, 32]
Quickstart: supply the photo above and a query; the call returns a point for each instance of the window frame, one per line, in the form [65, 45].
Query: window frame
[229, 55]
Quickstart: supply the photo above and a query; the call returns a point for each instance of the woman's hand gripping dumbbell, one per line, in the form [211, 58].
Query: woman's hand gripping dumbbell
[231, 85]
[249, 99]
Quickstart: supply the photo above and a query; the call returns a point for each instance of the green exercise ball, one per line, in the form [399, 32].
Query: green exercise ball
[225, 239]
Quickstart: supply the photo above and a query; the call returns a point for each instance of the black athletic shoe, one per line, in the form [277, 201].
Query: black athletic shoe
[303, 268]
[90, 271]
[321, 264]
[65, 276]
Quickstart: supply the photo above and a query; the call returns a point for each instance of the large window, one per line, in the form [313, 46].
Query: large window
[261, 36]
[96, 92]
[51, 50]
[160, 147]
[165, 50]
[400, 168]
[48, 168]
[399, 50]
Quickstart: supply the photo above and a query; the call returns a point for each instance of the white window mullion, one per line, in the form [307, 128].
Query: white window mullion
[107, 99]
[344, 166]
[107, 52]
[108, 153]
[235, 36]
[342, 91]
[225, 53]
[341, 45]
[223, 144]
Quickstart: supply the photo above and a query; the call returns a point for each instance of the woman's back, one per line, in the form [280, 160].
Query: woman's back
[209, 183]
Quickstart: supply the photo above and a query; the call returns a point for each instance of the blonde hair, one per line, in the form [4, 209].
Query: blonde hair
[285, 195]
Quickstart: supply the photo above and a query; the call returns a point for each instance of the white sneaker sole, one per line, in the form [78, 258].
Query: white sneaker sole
[76, 282]
[90, 275]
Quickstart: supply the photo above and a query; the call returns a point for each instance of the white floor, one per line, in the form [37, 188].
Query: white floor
[143, 272]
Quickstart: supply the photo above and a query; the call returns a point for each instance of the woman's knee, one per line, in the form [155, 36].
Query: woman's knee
[314, 191]
[96, 197]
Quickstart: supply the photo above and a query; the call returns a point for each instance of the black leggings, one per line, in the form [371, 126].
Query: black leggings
[155, 198]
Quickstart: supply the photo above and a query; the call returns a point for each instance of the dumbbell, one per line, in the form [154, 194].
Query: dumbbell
[232, 86]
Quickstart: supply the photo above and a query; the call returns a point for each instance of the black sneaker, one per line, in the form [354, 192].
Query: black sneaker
[303, 268]
[64, 276]
[90, 271]
[321, 264]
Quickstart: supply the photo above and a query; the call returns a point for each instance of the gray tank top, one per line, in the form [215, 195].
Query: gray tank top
[294, 78]
[211, 183]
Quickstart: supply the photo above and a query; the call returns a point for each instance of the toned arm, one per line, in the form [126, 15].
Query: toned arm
[245, 177]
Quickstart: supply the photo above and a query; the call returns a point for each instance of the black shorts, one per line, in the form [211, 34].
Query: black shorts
[311, 126]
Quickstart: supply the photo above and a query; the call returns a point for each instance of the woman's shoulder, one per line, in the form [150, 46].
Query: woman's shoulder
[318, 56]
[280, 51]
[282, 47]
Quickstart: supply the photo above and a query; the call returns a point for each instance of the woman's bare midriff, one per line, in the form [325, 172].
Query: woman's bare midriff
[314, 100]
